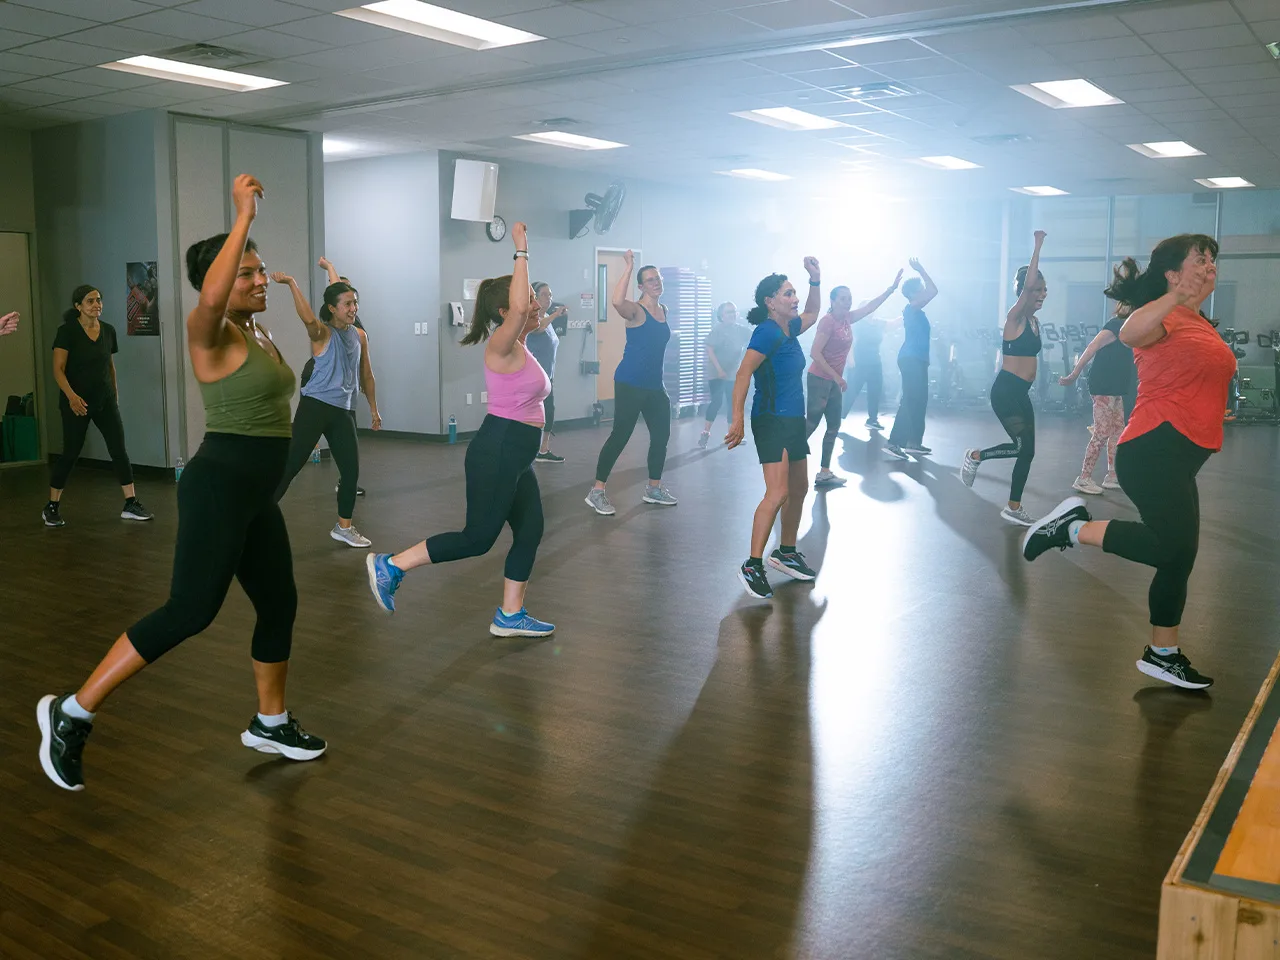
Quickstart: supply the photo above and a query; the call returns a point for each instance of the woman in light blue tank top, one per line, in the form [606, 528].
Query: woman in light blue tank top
[327, 405]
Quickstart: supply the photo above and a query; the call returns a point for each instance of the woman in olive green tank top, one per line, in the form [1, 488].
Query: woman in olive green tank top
[228, 522]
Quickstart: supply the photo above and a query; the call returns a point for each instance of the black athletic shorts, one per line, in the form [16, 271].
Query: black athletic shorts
[774, 434]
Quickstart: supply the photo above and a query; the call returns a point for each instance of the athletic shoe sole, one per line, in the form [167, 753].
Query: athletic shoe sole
[1156, 673]
[1007, 518]
[897, 455]
[661, 503]
[834, 482]
[372, 568]
[603, 513]
[751, 593]
[61, 523]
[359, 546]
[783, 568]
[1066, 506]
[1092, 492]
[133, 516]
[263, 745]
[498, 631]
[46, 741]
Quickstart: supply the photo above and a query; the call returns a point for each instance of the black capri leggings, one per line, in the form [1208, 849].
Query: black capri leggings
[549, 409]
[501, 489]
[629, 404]
[228, 526]
[721, 392]
[1011, 401]
[1158, 472]
[105, 415]
[338, 425]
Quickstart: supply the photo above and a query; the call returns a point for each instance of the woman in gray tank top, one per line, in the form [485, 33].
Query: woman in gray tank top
[327, 405]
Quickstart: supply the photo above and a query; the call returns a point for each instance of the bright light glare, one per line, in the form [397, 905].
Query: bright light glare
[789, 118]
[1063, 94]
[1163, 149]
[1040, 191]
[750, 173]
[438, 23]
[334, 147]
[948, 163]
[573, 141]
[1224, 183]
[191, 73]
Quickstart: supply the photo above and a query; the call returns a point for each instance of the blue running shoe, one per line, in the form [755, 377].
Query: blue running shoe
[384, 579]
[519, 624]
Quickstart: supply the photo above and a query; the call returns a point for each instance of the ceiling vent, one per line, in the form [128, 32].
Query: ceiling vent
[1003, 139]
[886, 90]
[557, 123]
[207, 55]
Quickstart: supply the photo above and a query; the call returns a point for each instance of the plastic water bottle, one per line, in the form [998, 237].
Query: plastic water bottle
[453, 430]
[315, 454]
[178, 468]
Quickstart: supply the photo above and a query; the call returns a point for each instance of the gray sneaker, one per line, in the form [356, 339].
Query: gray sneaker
[969, 468]
[350, 536]
[598, 501]
[660, 495]
[1019, 516]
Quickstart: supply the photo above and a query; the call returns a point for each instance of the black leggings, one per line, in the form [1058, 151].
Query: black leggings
[908, 425]
[629, 404]
[105, 415]
[1011, 400]
[501, 489]
[871, 374]
[824, 399]
[1157, 471]
[549, 410]
[313, 419]
[228, 526]
[721, 392]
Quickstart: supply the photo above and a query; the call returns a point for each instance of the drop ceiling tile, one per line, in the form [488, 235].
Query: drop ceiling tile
[919, 69]
[840, 77]
[1181, 40]
[1220, 90]
[1069, 29]
[1245, 100]
[65, 89]
[97, 11]
[113, 79]
[176, 23]
[793, 14]
[1098, 49]
[14, 38]
[798, 62]
[1234, 73]
[643, 14]
[42, 23]
[1119, 86]
[1221, 57]
[140, 99]
[710, 30]
[28, 98]
[992, 40]
[623, 41]
[273, 44]
[70, 51]
[561, 21]
[543, 53]
[249, 13]
[1173, 91]
[125, 38]
[1099, 70]
[1192, 16]
[337, 31]
[33, 66]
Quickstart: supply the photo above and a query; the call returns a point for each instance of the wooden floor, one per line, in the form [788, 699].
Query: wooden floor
[936, 751]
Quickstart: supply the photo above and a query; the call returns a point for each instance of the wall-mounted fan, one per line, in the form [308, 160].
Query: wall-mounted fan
[603, 210]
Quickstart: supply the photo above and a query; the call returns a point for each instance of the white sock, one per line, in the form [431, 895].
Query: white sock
[273, 721]
[71, 707]
[1164, 651]
[1073, 531]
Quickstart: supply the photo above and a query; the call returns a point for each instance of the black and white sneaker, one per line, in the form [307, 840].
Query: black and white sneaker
[1173, 668]
[873, 424]
[917, 450]
[792, 564]
[549, 457]
[52, 515]
[62, 738]
[134, 510]
[1053, 530]
[893, 450]
[288, 739]
[359, 491]
[753, 578]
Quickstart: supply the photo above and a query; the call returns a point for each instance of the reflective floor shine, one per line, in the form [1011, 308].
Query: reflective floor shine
[936, 751]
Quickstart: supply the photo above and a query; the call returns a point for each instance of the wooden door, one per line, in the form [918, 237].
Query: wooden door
[18, 351]
[611, 334]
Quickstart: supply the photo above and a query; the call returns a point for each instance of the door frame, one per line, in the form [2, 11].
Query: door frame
[604, 301]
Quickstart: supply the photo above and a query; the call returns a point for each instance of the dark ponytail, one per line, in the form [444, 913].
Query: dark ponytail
[331, 294]
[768, 287]
[1020, 283]
[494, 295]
[1132, 286]
[77, 297]
[200, 256]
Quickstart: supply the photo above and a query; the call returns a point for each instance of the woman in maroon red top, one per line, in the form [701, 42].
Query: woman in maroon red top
[1184, 368]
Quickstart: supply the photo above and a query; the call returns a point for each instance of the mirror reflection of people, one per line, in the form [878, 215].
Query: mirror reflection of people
[726, 343]
[1110, 378]
[9, 323]
[334, 277]
[907, 436]
[85, 371]
[867, 370]
[544, 344]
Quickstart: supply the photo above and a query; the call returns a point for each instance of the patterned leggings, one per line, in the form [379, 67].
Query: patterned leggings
[1108, 424]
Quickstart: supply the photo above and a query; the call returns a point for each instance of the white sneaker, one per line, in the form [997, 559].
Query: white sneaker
[1110, 482]
[969, 468]
[350, 536]
[826, 478]
[1086, 485]
[1019, 516]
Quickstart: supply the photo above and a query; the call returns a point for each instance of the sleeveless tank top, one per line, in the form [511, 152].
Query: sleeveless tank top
[519, 395]
[1025, 344]
[333, 381]
[641, 363]
[253, 400]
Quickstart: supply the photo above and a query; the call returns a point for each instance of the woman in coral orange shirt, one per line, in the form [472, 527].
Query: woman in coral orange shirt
[1184, 368]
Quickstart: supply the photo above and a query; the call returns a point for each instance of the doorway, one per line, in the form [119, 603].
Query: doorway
[21, 431]
[611, 329]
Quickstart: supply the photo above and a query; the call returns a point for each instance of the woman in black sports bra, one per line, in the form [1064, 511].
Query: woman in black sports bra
[1011, 392]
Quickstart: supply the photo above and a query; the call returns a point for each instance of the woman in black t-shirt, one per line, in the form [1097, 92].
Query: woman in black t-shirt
[86, 375]
[1110, 379]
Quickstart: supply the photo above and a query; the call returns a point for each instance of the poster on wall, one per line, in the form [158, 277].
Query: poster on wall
[141, 309]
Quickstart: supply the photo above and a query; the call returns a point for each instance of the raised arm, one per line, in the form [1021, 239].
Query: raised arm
[316, 330]
[503, 340]
[550, 317]
[921, 299]
[629, 309]
[204, 322]
[9, 323]
[1145, 325]
[1103, 338]
[367, 383]
[329, 269]
[1014, 316]
[813, 305]
[871, 306]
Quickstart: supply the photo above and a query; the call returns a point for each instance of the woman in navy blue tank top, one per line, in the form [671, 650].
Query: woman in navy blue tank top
[637, 387]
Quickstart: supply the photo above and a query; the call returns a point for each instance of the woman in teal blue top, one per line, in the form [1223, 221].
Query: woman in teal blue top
[637, 387]
[776, 361]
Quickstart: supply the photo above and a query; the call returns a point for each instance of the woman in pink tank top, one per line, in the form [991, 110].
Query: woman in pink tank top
[501, 486]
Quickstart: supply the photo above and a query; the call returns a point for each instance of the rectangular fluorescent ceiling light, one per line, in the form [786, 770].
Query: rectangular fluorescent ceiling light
[750, 173]
[1274, 50]
[1224, 183]
[439, 23]
[190, 73]
[1040, 191]
[789, 118]
[1163, 149]
[1062, 94]
[571, 140]
[948, 163]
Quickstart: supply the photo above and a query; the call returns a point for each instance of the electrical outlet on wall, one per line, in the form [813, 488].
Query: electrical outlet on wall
[424, 329]
[469, 399]
[417, 329]
[484, 396]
